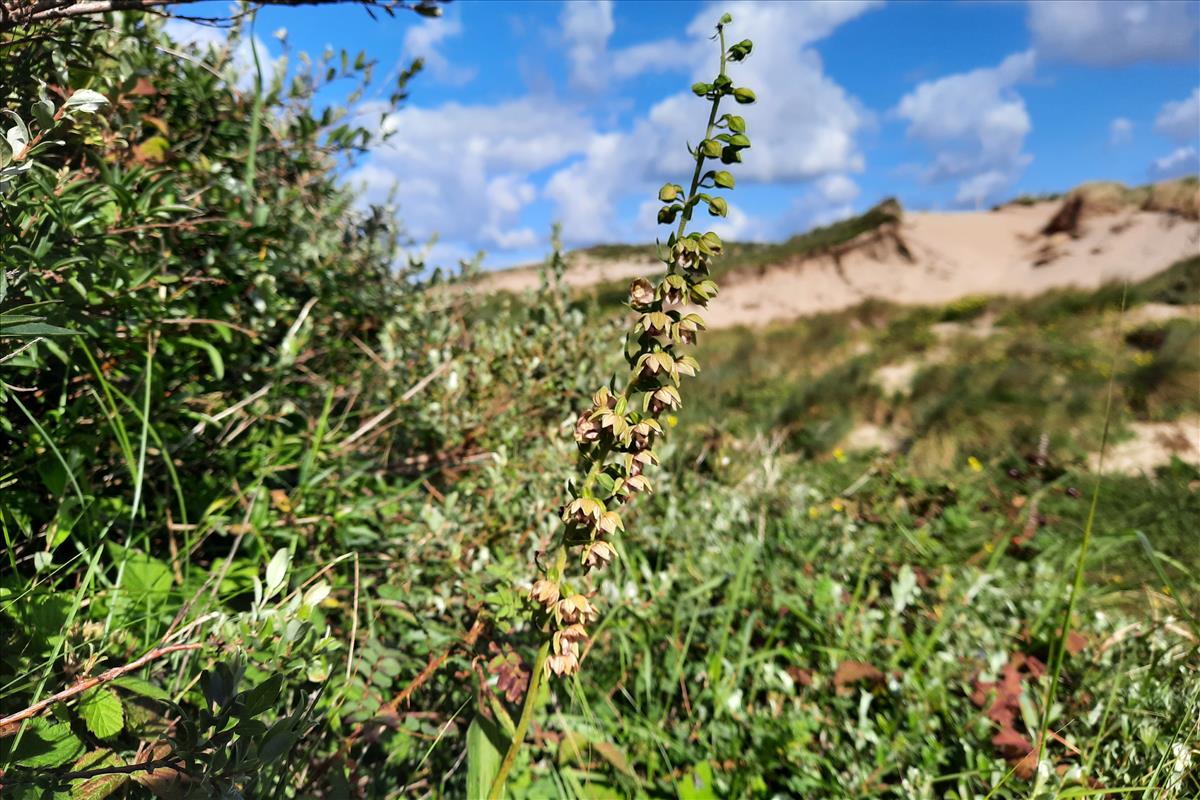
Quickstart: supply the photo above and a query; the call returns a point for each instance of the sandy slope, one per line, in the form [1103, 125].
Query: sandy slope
[931, 258]
[953, 255]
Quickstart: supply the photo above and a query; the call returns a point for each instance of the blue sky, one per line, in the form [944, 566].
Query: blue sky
[531, 112]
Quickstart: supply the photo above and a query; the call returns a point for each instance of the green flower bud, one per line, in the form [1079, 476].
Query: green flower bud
[744, 95]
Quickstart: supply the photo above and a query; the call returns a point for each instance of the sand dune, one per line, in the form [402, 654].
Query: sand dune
[928, 258]
[947, 256]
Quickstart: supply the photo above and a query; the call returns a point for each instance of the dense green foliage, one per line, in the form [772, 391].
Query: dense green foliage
[247, 375]
[232, 424]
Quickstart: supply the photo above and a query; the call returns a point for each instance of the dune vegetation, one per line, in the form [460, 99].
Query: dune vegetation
[288, 512]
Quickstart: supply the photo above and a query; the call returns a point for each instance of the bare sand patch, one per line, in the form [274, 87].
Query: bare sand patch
[867, 437]
[1153, 445]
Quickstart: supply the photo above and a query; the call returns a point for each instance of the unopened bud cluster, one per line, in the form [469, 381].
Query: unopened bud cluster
[617, 434]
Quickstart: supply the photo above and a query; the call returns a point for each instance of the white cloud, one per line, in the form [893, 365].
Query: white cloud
[1180, 119]
[1113, 33]
[838, 189]
[975, 124]
[803, 127]
[977, 190]
[586, 191]
[1183, 161]
[461, 171]
[586, 26]
[826, 201]
[1120, 131]
[469, 173]
[422, 41]
[240, 69]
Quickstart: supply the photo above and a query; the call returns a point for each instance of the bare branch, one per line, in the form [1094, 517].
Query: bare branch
[26, 13]
[10, 724]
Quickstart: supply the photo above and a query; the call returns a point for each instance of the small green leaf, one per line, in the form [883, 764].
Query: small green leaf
[278, 741]
[667, 193]
[262, 697]
[214, 355]
[146, 578]
[43, 113]
[140, 687]
[697, 784]
[739, 140]
[316, 594]
[725, 19]
[102, 712]
[723, 179]
[33, 328]
[736, 124]
[701, 89]
[710, 148]
[6, 153]
[718, 207]
[277, 570]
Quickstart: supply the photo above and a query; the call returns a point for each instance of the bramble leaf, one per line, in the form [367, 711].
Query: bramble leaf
[47, 745]
[102, 712]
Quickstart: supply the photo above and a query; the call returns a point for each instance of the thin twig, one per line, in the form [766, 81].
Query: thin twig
[233, 409]
[206, 321]
[21, 349]
[370, 424]
[8, 725]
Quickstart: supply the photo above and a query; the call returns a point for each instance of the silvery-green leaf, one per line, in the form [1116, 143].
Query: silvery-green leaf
[18, 134]
[277, 570]
[85, 100]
